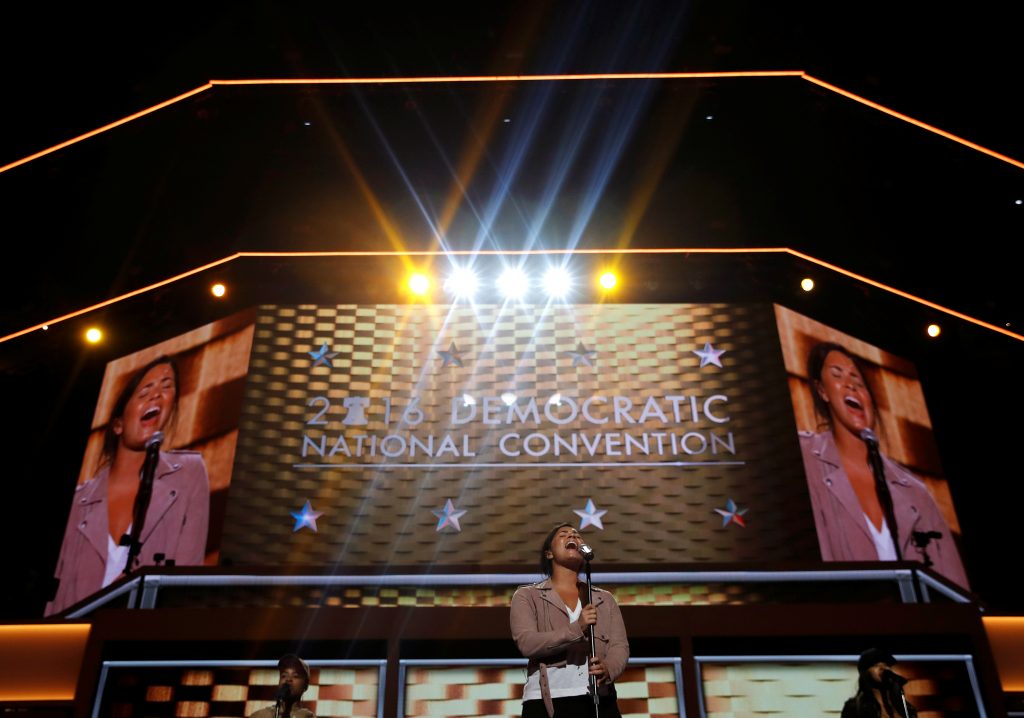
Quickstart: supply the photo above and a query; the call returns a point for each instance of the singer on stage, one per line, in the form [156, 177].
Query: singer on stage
[550, 626]
[849, 511]
[176, 518]
[879, 689]
[293, 680]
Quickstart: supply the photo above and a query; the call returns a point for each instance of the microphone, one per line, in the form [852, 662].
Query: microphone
[890, 676]
[586, 552]
[869, 437]
[154, 441]
[283, 692]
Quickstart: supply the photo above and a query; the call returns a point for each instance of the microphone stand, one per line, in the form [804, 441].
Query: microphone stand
[283, 693]
[903, 697]
[882, 488]
[142, 497]
[587, 555]
[896, 684]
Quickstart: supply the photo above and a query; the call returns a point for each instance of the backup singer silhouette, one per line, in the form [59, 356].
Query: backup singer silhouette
[879, 690]
[293, 680]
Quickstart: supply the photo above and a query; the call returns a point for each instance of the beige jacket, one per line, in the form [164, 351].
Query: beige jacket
[842, 531]
[543, 634]
[176, 526]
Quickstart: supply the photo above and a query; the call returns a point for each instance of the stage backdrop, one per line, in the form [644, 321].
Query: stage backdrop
[436, 435]
[455, 436]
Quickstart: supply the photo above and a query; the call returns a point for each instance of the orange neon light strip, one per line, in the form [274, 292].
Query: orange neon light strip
[100, 130]
[917, 123]
[514, 78]
[531, 78]
[122, 297]
[517, 253]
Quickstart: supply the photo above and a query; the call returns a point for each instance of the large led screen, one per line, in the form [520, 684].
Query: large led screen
[434, 435]
[429, 436]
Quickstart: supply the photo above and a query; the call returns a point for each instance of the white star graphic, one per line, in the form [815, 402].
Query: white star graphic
[709, 355]
[306, 517]
[590, 516]
[448, 516]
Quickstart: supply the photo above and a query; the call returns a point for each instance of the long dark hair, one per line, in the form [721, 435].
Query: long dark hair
[545, 562]
[866, 698]
[816, 363]
[110, 437]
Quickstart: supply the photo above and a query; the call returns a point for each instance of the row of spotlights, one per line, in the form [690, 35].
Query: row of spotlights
[513, 283]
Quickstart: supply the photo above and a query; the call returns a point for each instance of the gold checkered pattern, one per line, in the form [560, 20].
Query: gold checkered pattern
[743, 690]
[155, 692]
[648, 691]
[655, 514]
[647, 594]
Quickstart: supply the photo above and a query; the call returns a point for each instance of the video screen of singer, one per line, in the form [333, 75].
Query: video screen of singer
[95, 551]
[854, 511]
[552, 629]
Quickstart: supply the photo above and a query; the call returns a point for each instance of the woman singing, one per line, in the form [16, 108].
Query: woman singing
[93, 554]
[551, 626]
[848, 511]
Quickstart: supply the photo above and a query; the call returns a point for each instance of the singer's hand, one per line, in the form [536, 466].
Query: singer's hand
[589, 615]
[598, 670]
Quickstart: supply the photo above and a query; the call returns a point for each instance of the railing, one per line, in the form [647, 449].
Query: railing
[914, 585]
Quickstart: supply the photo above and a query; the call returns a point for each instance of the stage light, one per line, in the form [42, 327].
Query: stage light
[557, 282]
[419, 284]
[218, 290]
[462, 282]
[807, 284]
[93, 335]
[934, 330]
[608, 280]
[1020, 201]
[513, 283]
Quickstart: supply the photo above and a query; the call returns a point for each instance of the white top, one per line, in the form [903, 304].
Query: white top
[116, 556]
[884, 546]
[568, 680]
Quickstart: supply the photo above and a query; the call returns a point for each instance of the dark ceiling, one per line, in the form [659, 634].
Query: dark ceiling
[717, 163]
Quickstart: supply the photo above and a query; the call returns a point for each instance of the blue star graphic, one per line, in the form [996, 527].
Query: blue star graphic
[590, 516]
[322, 356]
[581, 355]
[732, 513]
[709, 355]
[451, 356]
[448, 516]
[306, 517]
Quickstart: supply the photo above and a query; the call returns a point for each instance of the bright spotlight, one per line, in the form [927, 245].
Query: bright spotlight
[807, 284]
[419, 284]
[93, 335]
[557, 282]
[218, 290]
[608, 280]
[513, 283]
[934, 330]
[461, 283]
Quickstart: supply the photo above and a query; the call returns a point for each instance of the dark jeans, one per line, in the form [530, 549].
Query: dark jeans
[574, 707]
